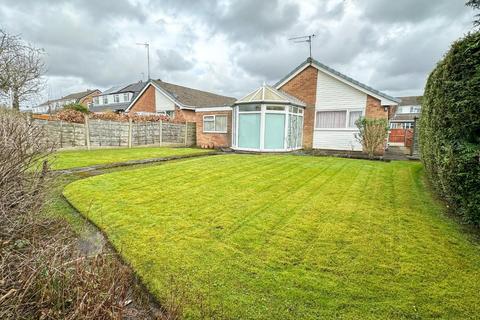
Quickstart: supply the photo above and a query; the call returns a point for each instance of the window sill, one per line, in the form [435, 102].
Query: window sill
[215, 132]
[336, 129]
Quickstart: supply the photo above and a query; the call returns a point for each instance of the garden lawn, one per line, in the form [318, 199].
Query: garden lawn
[287, 237]
[84, 158]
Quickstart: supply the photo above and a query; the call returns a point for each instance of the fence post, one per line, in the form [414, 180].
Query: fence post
[61, 134]
[87, 132]
[186, 132]
[161, 132]
[129, 132]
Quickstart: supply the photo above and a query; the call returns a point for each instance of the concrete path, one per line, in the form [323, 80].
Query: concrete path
[132, 162]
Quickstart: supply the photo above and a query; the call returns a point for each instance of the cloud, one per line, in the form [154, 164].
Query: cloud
[232, 46]
[171, 60]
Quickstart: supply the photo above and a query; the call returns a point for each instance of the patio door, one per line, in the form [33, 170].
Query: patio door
[274, 137]
[249, 130]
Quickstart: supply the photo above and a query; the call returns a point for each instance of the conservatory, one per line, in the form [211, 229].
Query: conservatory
[267, 120]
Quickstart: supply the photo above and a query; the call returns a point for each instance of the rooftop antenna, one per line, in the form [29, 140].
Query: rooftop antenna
[307, 39]
[147, 46]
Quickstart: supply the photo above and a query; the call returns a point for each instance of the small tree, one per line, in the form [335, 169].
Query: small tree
[77, 107]
[372, 134]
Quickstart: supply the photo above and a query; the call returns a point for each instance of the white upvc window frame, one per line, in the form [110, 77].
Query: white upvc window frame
[347, 118]
[214, 123]
[126, 97]
[105, 100]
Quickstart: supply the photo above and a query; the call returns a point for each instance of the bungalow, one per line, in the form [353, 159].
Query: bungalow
[322, 101]
[176, 101]
[84, 98]
[159, 97]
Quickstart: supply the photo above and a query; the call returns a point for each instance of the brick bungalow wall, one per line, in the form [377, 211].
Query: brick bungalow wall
[86, 101]
[184, 115]
[304, 87]
[146, 102]
[374, 109]
[213, 140]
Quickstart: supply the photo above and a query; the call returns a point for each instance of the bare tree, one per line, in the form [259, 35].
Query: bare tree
[21, 69]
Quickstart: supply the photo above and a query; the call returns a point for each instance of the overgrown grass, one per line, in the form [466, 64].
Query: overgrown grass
[84, 158]
[287, 237]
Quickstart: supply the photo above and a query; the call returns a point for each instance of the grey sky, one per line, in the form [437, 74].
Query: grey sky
[231, 47]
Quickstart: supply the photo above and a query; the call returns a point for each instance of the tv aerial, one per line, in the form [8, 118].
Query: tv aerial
[308, 39]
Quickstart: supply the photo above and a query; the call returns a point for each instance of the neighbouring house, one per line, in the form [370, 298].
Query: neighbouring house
[159, 97]
[117, 98]
[178, 102]
[322, 101]
[402, 122]
[84, 98]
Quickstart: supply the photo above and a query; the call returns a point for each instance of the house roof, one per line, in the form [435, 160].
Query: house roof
[71, 96]
[267, 93]
[110, 107]
[78, 95]
[188, 97]
[386, 99]
[410, 101]
[404, 117]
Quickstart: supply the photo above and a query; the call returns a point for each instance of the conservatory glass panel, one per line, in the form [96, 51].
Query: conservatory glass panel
[274, 131]
[249, 107]
[249, 130]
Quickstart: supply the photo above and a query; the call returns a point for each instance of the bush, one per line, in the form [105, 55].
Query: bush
[450, 128]
[372, 134]
[123, 117]
[70, 115]
[77, 107]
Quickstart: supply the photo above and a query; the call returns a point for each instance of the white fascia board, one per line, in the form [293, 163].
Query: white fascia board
[383, 100]
[213, 109]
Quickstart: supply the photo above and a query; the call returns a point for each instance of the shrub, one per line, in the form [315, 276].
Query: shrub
[112, 116]
[450, 128]
[372, 134]
[71, 115]
[77, 107]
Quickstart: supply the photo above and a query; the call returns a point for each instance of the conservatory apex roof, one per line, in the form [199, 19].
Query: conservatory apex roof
[267, 93]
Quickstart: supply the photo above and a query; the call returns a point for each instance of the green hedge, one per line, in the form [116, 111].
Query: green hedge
[450, 128]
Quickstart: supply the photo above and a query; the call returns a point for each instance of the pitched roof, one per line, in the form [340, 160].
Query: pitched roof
[267, 93]
[110, 107]
[189, 97]
[337, 74]
[410, 101]
[78, 95]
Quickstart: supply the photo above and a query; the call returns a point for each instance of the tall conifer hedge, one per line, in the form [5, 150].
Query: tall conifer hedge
[450, 128]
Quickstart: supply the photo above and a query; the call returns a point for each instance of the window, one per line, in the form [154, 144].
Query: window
[275, 108]
[331, 119]
[105, 99]
[215, 123]
[249, 107]
[116, 98]
[415, 109]
[125, 97]
[95, 100]
[353, 117]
